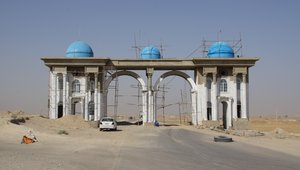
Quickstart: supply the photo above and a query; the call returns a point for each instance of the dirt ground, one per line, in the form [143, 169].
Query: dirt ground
[267, 124]
[80, 136]
[263, 124]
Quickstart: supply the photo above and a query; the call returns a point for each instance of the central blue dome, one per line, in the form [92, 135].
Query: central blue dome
[150, 52]
[79, 49]
[220, 50]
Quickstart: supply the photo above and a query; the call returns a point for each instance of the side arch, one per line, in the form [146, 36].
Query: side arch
[135, 76]
[194, 92]
[176, 73]
[125, 73]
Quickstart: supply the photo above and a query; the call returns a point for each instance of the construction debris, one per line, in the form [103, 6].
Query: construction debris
[29, 138]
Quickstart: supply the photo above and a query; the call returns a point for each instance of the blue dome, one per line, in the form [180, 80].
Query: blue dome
[150, 53]
[220, 50]
[79, 49]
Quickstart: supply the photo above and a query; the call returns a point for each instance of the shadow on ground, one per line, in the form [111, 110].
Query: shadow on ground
[168, 124]
[127, 123]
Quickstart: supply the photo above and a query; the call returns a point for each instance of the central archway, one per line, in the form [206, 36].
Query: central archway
[193, 92]
[141, 82]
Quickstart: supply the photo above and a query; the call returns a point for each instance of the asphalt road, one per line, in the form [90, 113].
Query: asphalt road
[140, 148]
[175, 148]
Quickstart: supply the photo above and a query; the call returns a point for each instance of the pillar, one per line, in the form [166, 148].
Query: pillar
[85, 113]
[204, 102]
[64, 94]
[234, 97]
[103, 95]
[244, 96]
[96, 97]
[89, 97]
[247, 98]
[68, 103]
[144, 107]
[98, 105]
[199, 100]
[57, 95]
[151, 116]
[229, 113]
[104, 104]
[214, 102]
[52, 95]
[195, 119]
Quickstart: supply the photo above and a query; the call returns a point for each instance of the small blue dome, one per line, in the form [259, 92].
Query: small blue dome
[150, 52]
[79, 49]
[220, 50]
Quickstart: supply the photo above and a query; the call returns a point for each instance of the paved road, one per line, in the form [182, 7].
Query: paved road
[140, 148]
[175, 148]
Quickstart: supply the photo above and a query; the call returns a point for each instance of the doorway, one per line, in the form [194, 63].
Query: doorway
[60, 110]
[209, 116]
[76, 108]
[239, 110]
[224, 114]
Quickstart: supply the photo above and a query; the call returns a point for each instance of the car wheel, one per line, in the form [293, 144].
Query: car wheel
[100, 129]
[222, 139]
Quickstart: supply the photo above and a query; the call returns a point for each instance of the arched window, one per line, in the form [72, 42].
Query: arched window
[223, 86]
[76, 86]
[91, 108]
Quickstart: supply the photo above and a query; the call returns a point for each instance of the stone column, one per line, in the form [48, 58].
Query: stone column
[144, 107]
[214, 102]
[96, 97]
[98, 105]
[151, 116]
[104, 104]
[64, 94]
[229, 113]
[68, 103]
[57, 95]
[102, 95]
[204, 102]
[99, 100]
[154, 94]
[199, 99]
[89, 96]
[244, 96]
[234, 97]
[86, 114]
[195, 116]
[52, 95]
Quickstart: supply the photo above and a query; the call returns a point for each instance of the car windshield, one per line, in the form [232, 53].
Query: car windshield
[107, 120]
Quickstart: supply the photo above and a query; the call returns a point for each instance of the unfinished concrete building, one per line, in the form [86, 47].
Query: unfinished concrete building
[219, 88]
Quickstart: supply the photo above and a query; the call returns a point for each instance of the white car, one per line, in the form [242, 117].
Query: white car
[107, 123]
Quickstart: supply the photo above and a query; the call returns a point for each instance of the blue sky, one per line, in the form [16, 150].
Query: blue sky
[34, 29]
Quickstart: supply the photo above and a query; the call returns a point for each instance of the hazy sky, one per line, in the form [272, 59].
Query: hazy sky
[33, 29]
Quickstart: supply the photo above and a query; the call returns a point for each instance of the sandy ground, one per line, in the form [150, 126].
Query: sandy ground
[268, 124]
[84, 143]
